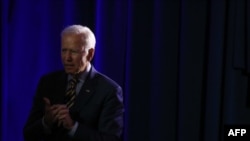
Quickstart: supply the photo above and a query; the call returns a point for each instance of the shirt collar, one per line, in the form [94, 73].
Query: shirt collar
[83, 75]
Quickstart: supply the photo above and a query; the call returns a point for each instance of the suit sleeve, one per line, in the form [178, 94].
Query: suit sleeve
[110, 124]
[33, 129]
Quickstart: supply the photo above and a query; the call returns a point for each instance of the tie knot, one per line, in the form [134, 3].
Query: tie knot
[73, 80]
[75, 77]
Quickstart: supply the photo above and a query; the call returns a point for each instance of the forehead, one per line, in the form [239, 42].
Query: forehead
[72, 36]
[72, 39]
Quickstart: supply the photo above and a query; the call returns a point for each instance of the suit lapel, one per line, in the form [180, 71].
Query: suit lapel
[87, 89]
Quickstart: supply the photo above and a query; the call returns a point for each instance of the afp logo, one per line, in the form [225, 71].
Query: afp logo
[236, 133]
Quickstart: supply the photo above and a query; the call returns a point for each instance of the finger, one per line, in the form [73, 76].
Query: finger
[62, 114]
[62, 117]
[62, 111]
[58, 109]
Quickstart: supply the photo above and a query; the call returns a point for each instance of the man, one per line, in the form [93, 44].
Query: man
[78, 103]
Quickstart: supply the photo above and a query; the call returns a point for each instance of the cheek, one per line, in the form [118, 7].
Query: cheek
[78, 60]
[82, 61]
[62, 57]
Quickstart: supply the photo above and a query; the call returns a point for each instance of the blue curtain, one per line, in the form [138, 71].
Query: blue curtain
[183, 64]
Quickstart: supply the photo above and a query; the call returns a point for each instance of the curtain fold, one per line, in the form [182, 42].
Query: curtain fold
[214, 71]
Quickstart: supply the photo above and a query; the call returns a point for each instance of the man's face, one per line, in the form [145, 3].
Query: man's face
[73, 53]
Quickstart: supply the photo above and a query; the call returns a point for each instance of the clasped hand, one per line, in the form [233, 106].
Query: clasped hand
[57, 113]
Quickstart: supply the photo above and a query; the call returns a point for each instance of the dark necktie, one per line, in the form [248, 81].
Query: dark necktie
[71, 92]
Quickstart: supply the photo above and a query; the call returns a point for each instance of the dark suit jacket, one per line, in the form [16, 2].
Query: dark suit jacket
[98, 109]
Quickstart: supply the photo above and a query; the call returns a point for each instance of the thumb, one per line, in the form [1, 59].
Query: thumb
[47, 102]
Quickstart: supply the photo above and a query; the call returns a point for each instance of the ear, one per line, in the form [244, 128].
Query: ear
[91, 53]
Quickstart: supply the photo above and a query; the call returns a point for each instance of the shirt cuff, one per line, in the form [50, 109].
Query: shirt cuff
[71, 132]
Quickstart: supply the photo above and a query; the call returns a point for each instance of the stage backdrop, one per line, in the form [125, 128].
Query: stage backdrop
[183, 64]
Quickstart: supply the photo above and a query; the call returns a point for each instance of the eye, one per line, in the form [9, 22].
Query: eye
[74, 51]
[63, 50]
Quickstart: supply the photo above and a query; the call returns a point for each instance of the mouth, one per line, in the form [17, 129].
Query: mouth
[68, 65]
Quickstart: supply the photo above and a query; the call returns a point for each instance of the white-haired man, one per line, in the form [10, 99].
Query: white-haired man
[78, 103]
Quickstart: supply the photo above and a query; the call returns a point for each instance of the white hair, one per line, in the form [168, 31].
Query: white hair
[88, 36]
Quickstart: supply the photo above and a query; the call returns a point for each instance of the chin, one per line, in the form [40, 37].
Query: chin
[70, 71]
